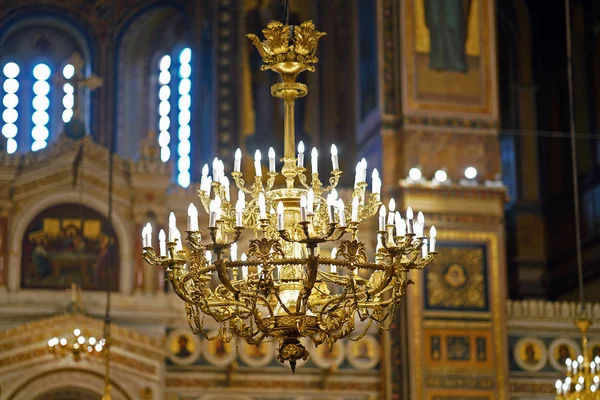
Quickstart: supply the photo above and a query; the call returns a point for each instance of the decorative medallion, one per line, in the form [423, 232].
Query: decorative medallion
[364, 354]
[325, 358]
[217, 351]
[257, 355]
[183, 347]
[560, 350]
[530, 354]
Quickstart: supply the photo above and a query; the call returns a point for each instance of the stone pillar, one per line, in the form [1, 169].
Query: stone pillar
[8, 170]
[449, 120]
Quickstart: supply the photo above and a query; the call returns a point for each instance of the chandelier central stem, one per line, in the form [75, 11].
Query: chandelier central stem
[289, 128]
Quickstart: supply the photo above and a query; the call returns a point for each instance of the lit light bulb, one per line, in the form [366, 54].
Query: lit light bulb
[341, 212]
[333, 257]
[280, 216]
[382, 213]
[470, 172]
[441, 176]
[237, 161]
[303, 203]
[162, 237]
[314, 160]
[205, 169]
[192, 218]
[415, 174]
[208, 256]
[257, 167]
[334, 158]
[271, 159]
[233, 251]
[375, 182]
[262, 206]
[172, 226]
[76, 332]
[301, 154]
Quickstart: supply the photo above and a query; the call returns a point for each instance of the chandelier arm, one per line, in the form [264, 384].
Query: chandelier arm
[224, 277]
[302, 177]
[333, 180]
[193, 239]
[271, 180]
[205, 200]
[240, 183]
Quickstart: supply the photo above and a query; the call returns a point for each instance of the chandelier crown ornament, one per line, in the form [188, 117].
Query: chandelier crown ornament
[284, 287]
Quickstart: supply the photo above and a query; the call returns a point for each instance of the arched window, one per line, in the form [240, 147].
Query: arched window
[35, 103]
[174, 105]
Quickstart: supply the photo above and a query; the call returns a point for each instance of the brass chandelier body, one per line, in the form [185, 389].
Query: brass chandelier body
[283, 289]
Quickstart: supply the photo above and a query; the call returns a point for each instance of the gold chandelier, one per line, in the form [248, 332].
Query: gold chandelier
[76, 344]
[583, 376]
[283, 288]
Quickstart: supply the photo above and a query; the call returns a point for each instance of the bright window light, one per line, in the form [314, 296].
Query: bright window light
[185, 86]
[165, 63]
[40, 133]
[10, 100]
[165, 154]
[185, 102]
[40, 103]
[41, 88]
[68, 71]
[185, 56]
[11, 70]
[10, 85]
[10, 115]
[164, 78]
[67, 115]
[11, 146]
[41, 72]
[9, 131]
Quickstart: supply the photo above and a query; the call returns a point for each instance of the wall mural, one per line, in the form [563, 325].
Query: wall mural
[448, 55]
[69, 243]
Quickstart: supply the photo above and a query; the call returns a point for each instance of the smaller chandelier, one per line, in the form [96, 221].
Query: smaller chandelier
[583, 376]
[76, 344]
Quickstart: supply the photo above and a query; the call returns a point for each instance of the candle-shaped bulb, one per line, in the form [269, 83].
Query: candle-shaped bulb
[310, 202]
[333, 267]
[432, 239]
[162, 237]
[334, 158]
[334, 194]
[409, 213]
[397, 219]
[205, 171]
[421, 218]
[341, 212]
[375, 182]
[301, 154]
[257, 167]
[240, 205]
[262, 206]
[432, 232]
[233, 251]
[271, 159]
[237, 160]
[192, 218]
[208, 256]
[280, 216]
[392, 205]
[238, 154]
[364, 170]
[354, 215]
[382, 213]
[314, 160]
[212, 209]
[172, 226]
[303, 203]
[215, 170]
[244, 257]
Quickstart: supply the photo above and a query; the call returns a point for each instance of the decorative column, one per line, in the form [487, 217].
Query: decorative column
[440, 105]
[8, 170]
[150, 179]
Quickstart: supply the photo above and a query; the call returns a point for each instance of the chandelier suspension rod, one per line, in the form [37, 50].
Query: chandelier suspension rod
[286, 13]
[574, 153]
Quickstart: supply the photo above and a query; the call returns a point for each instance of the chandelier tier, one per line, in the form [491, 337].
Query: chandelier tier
[583, 374]
[283, 288]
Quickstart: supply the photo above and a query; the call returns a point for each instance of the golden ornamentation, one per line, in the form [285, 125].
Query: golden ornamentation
[285, 290]
[456, 280]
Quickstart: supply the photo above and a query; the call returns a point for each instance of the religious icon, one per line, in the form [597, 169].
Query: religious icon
[365, 353]
[447, 23]
[217, 351]
[184, 348]
[435, 353]
[257, 355]
[66, 244]
[325, 358]
[560, 350]
[530, 354]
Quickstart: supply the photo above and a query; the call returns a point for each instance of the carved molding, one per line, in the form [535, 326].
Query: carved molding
[540, 310]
